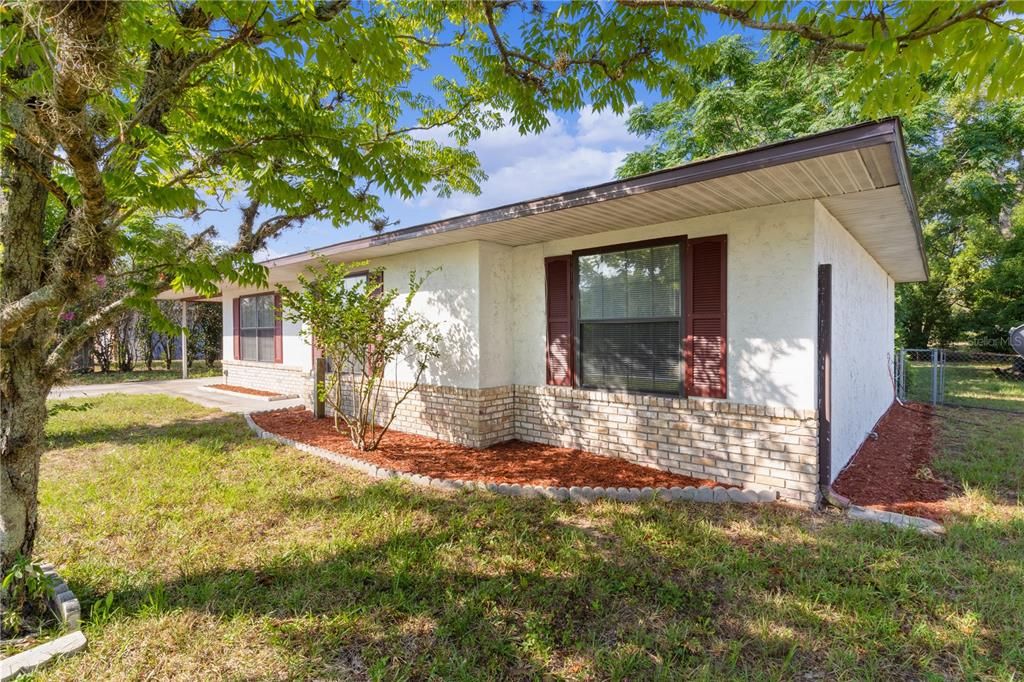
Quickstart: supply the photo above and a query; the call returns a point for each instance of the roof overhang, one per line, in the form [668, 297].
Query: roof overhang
[859, 173]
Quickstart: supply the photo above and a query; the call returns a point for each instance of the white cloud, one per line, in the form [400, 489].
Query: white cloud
[268, 253]
[604, 127]
[573, 151]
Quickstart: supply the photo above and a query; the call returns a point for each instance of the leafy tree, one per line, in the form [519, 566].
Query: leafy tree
[966, 160]
[889, 48]
[206, 332]
[124, 331]
[362, 328]
[119, 118]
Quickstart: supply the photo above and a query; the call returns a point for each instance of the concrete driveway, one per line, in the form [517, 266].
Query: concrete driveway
[189, 389]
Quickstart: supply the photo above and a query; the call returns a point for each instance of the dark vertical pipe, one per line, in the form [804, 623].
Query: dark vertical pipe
[824, 377]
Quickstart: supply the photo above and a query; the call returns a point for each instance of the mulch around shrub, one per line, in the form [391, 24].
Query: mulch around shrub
[893, 472]
[243, 389]
[510, 462]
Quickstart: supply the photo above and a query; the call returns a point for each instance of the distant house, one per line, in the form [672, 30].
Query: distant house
[730, 319]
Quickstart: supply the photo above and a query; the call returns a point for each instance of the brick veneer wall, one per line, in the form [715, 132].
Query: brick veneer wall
[268, 376]
[739, 444]
[475, 418]
[730, 443]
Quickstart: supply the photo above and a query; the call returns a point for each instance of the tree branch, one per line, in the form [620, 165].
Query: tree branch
[56, 190]
[15, 314]
[59, 356]
[811, 32]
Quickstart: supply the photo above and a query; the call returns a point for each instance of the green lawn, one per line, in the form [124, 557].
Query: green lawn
[982, 451]
[140, 373]
[200, 552]
[967, 384]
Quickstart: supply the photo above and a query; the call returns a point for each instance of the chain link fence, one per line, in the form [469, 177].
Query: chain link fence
[946, 376]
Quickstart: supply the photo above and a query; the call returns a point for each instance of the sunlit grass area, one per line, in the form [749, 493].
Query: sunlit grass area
[967, 384]
[200, 552]
[982, 450]
[159, 372]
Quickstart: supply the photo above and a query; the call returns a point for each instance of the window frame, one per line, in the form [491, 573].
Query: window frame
[576, 322]
[363, 273]
[275, 327]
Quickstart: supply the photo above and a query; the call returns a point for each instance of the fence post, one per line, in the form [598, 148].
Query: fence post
[319, 406]
[900, 368]
[942, 377]
[935, 376]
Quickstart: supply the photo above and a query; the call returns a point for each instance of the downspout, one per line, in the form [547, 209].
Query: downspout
[827, 496]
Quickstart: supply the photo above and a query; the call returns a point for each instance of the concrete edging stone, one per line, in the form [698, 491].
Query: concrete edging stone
[918, 523]
[66, 607]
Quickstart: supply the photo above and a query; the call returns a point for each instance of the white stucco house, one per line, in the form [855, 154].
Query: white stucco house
[729, 319]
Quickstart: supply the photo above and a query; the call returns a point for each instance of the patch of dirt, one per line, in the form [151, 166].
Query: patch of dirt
[243, 389]
[510, 462]
[894, 471]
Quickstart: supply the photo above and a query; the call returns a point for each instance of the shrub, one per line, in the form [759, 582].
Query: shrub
[24, 591]
[362, 328]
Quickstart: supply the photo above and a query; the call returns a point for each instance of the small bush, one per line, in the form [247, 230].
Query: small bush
[24, 592]
[361, 328]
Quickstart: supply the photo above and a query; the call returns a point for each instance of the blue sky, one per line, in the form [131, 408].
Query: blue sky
[578, 148]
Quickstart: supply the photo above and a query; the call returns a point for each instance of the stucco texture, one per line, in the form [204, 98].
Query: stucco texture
[488, 301]
[771, 289]
[863, 320]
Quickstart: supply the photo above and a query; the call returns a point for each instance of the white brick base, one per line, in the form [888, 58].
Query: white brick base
[267, 376]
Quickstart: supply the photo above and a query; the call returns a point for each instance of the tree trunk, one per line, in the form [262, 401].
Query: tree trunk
[24, 379]
[22, 420]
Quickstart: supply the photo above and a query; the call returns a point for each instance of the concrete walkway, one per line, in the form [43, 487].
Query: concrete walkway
[189, 389]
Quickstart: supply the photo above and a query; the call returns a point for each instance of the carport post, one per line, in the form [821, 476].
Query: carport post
[184, 339]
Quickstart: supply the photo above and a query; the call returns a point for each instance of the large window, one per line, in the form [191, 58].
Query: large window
[256, 327]
[629, 319]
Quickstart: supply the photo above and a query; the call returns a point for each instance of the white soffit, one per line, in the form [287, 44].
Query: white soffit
[860, 187]
[858, 173]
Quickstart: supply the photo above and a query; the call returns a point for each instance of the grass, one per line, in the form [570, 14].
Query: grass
[200, 552]
[982, 451]
[967, 384]
[198, 370]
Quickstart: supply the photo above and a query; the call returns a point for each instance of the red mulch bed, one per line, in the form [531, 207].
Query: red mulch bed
[511, 462]
[243, 389]
[893, 472]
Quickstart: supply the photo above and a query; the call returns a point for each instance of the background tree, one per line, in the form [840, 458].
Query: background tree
[206, 331]
[965, 156]
[362, 328]
[117, 117]
[126, 342]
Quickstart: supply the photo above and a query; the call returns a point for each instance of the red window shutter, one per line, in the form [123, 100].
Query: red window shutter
[706, 317]
[236, 319]
[278, 337]
[558, 275]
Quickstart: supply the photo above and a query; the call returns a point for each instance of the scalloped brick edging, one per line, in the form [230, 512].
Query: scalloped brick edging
[918, 523]
[65, 606]
[561, 494]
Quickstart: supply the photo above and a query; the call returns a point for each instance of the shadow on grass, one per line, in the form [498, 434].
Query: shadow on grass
[216, 424]
[507, 582]
[423, 584]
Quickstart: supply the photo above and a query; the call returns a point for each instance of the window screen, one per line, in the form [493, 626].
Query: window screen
[629, 319]
[256, 328]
